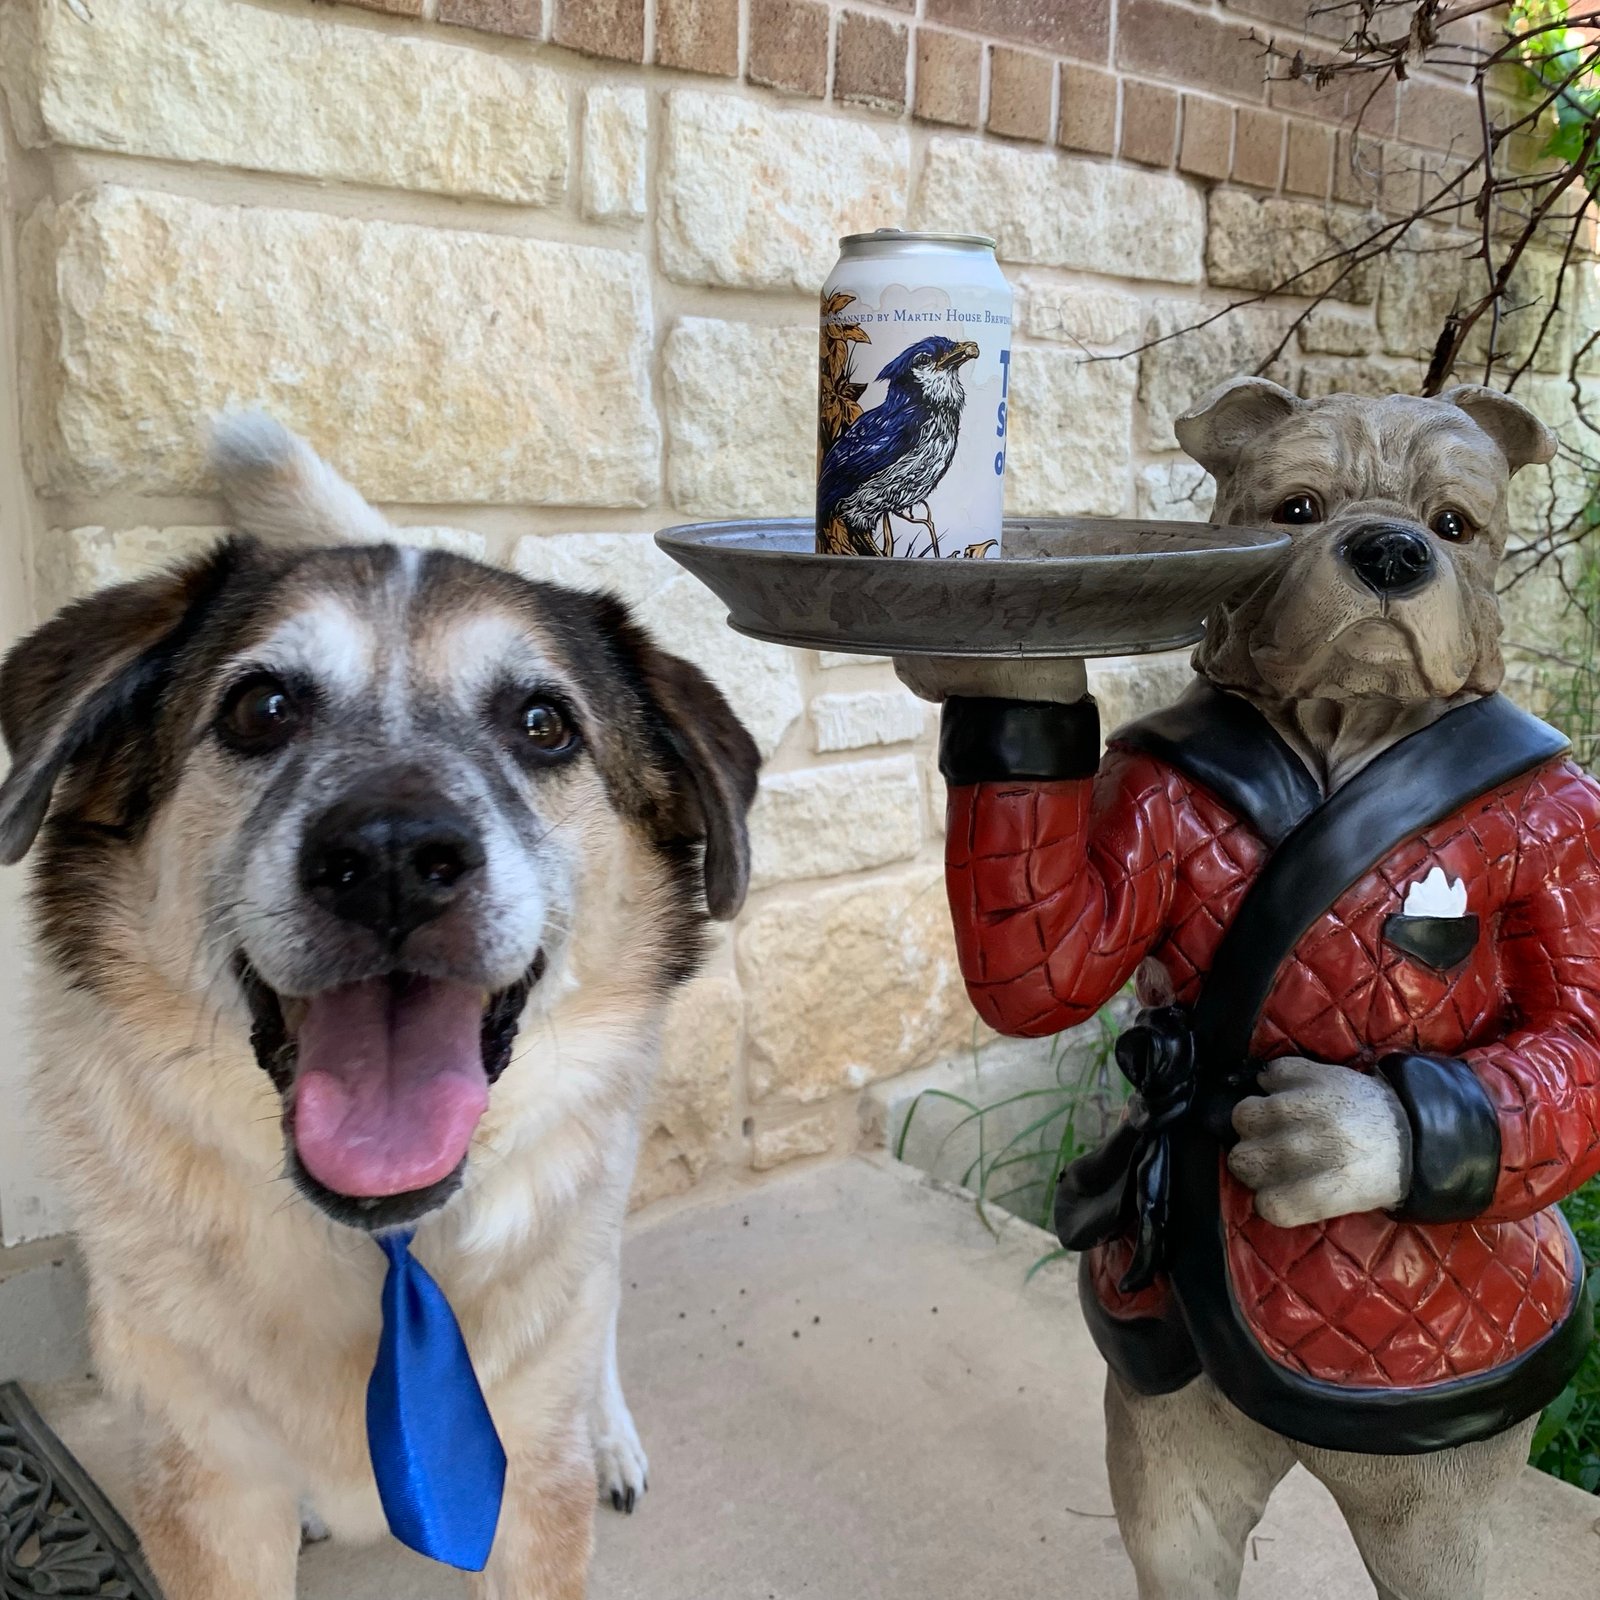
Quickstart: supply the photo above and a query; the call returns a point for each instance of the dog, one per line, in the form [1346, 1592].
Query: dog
[1359, 892]
[363, 876]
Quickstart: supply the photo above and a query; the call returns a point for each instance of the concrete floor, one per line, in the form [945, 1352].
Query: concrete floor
[848, 1392]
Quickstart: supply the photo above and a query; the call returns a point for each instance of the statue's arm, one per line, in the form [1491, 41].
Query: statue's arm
[1542, 1081]
[1059, 867]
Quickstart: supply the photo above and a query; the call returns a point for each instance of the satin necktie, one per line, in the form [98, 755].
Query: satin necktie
[440, 1466]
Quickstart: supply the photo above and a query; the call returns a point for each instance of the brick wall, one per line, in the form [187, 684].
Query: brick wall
[1163, 83]
[541, 278]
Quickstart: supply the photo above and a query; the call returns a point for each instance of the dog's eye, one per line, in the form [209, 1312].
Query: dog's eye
[544, 726]
[260, 714]
[1298, 509]
[1452, 525]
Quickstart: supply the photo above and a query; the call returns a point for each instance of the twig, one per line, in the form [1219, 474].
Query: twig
[1555, 299]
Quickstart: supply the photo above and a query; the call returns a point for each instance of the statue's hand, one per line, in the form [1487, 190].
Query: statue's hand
[1322, 1142]
[935, 678]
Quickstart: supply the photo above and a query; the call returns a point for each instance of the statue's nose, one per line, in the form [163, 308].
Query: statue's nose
[1391, 559]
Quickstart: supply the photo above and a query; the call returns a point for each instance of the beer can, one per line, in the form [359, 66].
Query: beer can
[911, 420]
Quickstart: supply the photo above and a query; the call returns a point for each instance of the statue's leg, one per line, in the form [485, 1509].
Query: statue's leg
[1190, 1477]
[1422, 1522]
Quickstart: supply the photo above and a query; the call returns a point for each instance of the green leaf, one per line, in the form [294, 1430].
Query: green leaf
[1553, 1421]
[1044, 1261]
[1566, 143]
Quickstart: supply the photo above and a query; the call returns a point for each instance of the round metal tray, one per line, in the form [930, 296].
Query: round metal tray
[1064, 586]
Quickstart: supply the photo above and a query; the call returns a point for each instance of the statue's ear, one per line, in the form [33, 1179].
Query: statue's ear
[1523, 439]
[1230, 417]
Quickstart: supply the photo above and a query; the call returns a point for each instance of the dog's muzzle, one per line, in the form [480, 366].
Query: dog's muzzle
[1390, 559]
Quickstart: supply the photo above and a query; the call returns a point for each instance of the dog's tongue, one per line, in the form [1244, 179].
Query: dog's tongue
[390, 1084]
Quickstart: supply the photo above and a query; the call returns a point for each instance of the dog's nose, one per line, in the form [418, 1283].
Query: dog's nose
[1390, 559]
[389, 865]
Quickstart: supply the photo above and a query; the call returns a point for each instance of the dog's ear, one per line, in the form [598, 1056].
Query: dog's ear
[279, 490]
[1523, 439]
[71, 680]
[1232, 416]
[719, 762]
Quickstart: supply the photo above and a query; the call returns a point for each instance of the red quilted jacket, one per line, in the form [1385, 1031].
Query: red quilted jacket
[1059, 889]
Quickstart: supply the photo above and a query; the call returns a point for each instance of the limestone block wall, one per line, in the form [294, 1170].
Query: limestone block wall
[540, 277]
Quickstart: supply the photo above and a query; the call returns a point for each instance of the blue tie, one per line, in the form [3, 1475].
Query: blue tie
[440, 1466]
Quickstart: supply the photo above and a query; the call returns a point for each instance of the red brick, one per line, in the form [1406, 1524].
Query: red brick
[1522, 154]
[1088, 110]
[613, 28]
[1357, 170]
[1149, 124]
[1159, 40]
[1258, 148]
[1459, 202]
[698, 36]
[1080, 28]
[1403, 175]
[789, 46]
[1310, 157]
[1292, 22]
[524, 18]
[1463, 44]
[1021, 89]
[1207, 148]
[1444, 118]
[1341, 101]
[949, 78]
[870, 61]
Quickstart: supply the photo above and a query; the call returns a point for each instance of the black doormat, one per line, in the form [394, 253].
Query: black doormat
[59, 1535]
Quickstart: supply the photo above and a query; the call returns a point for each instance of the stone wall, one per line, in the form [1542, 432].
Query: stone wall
[540, 277]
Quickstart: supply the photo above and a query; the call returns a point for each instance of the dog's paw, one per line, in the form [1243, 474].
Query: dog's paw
[1321, 1141]
[621, 1467]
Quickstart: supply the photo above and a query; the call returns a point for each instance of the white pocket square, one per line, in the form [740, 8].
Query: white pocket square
[1436, 896]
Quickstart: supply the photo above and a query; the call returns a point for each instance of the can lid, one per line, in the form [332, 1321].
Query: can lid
[907, 236]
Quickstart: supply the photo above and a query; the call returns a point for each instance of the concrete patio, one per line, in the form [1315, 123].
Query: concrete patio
[848, 1390]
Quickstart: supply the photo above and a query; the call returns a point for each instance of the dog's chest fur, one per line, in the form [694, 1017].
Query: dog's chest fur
[220, 1290]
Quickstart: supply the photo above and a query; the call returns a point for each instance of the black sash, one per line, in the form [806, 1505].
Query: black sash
[1169, 1191]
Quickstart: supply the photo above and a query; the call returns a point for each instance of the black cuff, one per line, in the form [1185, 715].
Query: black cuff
[988, 741]
[1455, 1138]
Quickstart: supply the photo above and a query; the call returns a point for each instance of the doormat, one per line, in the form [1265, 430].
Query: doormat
[59, 1535]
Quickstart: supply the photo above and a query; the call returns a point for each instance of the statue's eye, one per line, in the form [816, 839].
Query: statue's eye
[1299, 509]
[259, 714]
[1453, 526]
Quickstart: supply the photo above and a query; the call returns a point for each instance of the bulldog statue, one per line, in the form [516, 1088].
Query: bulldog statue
[1359, 891]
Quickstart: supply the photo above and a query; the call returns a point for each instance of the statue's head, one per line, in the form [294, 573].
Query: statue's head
[1397, 511]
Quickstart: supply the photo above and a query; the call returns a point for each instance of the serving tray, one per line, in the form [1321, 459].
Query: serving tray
[1064, 586]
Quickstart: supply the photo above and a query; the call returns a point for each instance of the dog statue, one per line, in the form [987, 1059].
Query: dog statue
[1360, 891]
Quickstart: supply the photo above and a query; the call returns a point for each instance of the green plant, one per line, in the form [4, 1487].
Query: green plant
[1567, 1444]
[1066, 1117]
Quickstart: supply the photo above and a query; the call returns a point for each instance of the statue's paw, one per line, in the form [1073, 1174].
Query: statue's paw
[1323, 1141]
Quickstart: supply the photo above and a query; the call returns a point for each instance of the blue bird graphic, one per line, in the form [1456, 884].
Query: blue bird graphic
[891, 458]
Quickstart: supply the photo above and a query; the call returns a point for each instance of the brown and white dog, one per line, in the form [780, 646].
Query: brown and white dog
[363, 878]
